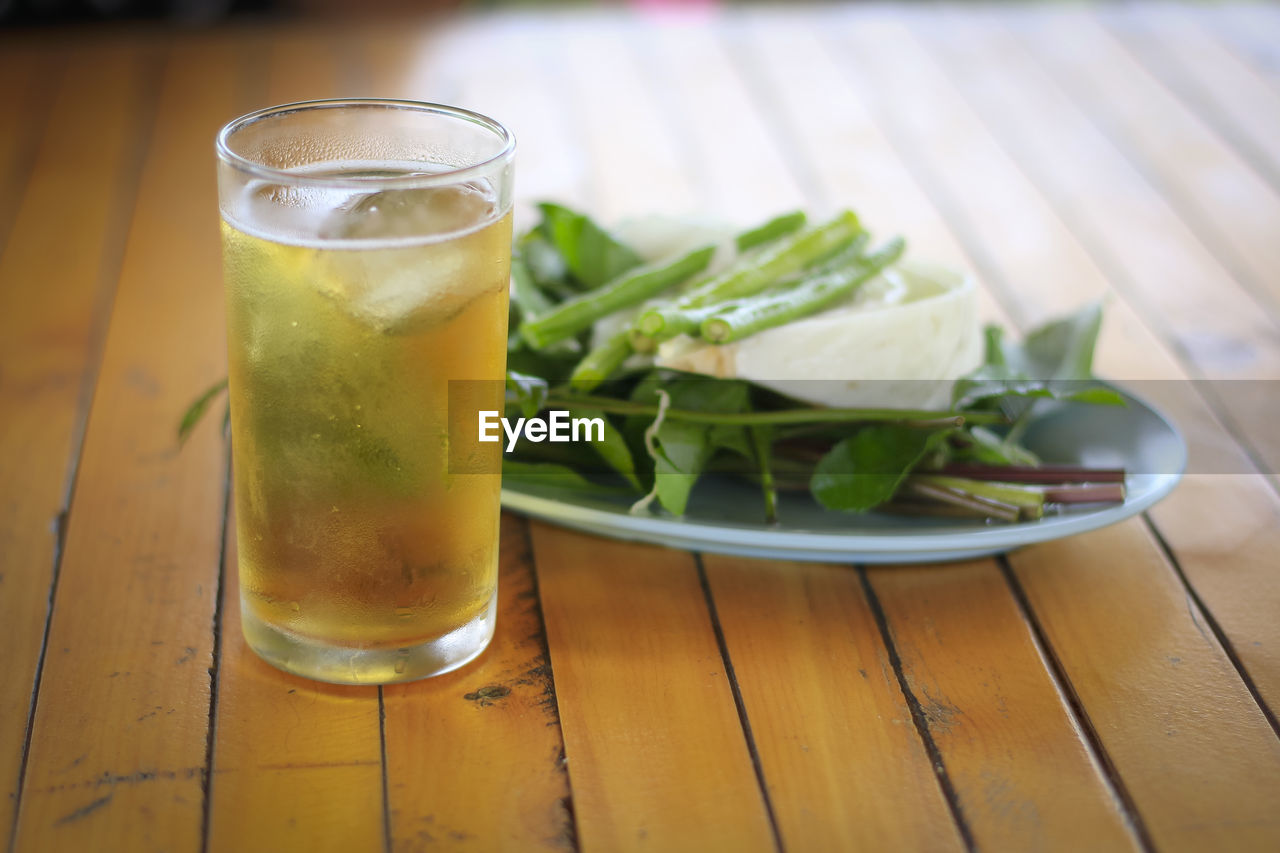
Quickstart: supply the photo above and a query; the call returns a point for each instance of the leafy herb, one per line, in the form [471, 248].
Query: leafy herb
[197, 409]
[681, 449]
[612, 447]
[591, 255]
[864, 471]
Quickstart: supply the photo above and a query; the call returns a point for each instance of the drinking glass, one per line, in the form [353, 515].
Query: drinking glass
[366, 249]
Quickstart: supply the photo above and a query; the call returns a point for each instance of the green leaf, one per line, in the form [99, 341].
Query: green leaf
[1062, 348]
[613, 449]
[1097, 396]
[864, 471]
[197, 409]
[682, 453]
[683, 448]
[591, 254]
[546, 266]
[1049, 363]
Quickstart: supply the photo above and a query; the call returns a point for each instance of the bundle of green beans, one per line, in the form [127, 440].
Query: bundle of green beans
[785, 270]
[752, 273]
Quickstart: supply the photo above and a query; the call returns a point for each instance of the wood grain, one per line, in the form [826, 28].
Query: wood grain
[475, 757]
[843, 765]
[1024, 775]
[54, 283]
[657, 756]
[1215, 82]
[1227, 559]
[636, 165]
[1195, 752]
[799, 79]
[118, 747]
[297, 764]
[32, 76]
[1232, 209]
[987, 173]
[736, 159]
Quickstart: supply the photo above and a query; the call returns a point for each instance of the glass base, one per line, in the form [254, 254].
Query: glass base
[310, 658]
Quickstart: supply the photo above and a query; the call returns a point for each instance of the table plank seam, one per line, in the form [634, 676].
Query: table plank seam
[738, 702]
[386, 791]
[918, 717]
[126, 195]
[1195, 99]
[1198, 222]
[1076, 711]
[552, 703]
[1200, 613]
[211, 733]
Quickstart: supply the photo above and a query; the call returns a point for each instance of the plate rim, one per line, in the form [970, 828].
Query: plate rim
[947, 543]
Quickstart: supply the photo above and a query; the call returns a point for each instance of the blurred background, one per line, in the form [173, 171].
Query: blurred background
[35, 12]
[38, 12]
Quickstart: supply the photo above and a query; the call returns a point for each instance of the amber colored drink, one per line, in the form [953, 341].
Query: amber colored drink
[354, 537]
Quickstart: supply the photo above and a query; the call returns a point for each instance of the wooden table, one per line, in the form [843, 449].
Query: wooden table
[1116, 690]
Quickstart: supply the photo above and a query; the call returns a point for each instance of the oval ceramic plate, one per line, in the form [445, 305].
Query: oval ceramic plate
[725, 514]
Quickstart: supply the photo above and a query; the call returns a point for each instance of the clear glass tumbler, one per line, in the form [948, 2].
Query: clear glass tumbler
[366, 248]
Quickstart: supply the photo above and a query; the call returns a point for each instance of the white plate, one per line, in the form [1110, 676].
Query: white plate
[725, 514]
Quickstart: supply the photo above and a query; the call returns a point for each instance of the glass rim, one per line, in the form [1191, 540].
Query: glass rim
[449, 176]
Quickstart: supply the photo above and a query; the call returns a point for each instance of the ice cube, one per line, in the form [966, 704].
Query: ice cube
[420, 212]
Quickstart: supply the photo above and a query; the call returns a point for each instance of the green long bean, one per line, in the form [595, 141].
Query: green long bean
[631, 288]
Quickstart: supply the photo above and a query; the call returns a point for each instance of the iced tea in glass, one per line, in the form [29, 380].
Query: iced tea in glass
[366, 249]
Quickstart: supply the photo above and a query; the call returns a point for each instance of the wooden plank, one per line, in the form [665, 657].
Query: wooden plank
[1121, 218]
[497, 781]
[1198, 757]
[118, 747]
[56, 276]
[741, 173]
[1171, 280]
[1124, 563]
[1023, 809]
[842, 762]
[637, 165]
[296, 764]
[657, 757]
[794, 77]
[32, 75]
[1217, 84]
[1232, 210]
[973, 665]
[1160, 266]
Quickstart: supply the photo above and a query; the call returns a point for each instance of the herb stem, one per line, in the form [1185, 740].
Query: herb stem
[921, 417]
